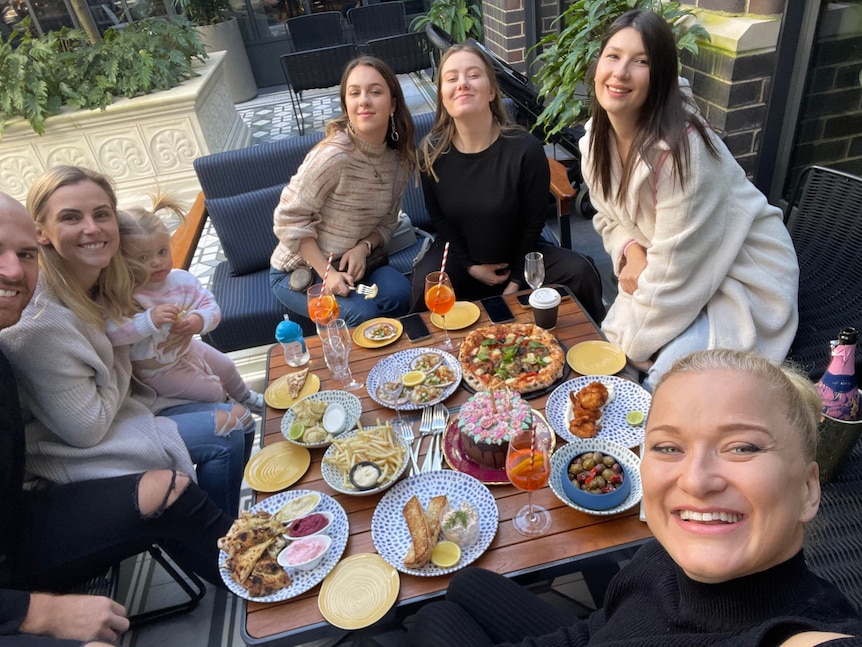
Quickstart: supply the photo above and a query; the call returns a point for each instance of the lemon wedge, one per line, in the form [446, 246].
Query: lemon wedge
[413, 378]
[635, 418]
[296, 431]
[446, 554]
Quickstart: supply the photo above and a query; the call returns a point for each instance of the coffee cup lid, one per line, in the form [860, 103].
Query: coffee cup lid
[544, 298]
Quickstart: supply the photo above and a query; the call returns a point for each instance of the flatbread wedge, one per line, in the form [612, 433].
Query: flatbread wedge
[295, 382]
[266, 577]
[424, 528]
[242, 564]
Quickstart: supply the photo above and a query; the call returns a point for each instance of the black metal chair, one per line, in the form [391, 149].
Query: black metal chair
[316, 30]
[825, 222]
[377, 21]
[312, 69]
[404, 53]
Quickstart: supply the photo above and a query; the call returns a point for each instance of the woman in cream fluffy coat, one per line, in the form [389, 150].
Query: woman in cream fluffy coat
[703, 260]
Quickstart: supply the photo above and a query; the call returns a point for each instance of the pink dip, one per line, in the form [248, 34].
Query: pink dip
[307, 525]
[304, 550]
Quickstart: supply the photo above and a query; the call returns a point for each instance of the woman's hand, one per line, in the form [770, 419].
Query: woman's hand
[487, 273]
[511, 288]
[353, 261]
[339, 282]
[635, 263]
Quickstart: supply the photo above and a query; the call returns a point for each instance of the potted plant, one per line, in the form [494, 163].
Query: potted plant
[220, 31]
[461, 19]
[565, 57]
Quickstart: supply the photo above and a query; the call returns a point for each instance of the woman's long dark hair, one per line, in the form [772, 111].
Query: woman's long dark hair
[663, 116]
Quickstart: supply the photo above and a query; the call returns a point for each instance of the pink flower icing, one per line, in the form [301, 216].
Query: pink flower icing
[478, 420]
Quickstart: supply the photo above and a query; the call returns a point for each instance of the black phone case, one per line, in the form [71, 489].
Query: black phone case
[415, 328]
[498, 310]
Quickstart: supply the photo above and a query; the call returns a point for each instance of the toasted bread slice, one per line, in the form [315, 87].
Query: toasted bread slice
[419, 552]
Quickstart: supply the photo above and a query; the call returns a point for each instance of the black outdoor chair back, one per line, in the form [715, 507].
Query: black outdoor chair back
[377, 20]
[316, 30]
[825, 222]
[404, 53]
[312, 69]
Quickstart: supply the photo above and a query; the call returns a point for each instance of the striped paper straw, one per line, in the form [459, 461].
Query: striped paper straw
[325, 274]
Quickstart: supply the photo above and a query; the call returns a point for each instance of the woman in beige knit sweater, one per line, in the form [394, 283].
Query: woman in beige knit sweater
[344, 200]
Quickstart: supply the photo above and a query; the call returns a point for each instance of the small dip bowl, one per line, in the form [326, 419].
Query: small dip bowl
[365, 475]
[305, 554]
[314, 523]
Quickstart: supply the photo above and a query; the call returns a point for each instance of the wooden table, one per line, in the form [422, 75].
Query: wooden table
[576, 541]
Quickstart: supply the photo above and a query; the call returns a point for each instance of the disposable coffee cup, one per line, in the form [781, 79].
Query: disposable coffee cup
[545, 303]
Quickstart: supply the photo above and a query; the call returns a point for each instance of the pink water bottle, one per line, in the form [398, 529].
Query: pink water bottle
[838, 389]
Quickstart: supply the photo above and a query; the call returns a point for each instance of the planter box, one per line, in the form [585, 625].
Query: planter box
[143, 143]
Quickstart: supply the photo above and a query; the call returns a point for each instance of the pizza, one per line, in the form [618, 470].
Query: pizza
[523, 357]
[295, 382]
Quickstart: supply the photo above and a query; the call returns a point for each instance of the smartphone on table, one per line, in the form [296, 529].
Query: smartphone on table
[415, 327]
[498, 310]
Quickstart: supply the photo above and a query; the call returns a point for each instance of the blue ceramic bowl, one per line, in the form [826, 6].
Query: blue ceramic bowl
[596, 501]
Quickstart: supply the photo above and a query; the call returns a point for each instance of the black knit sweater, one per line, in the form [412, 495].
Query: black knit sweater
[651, 602]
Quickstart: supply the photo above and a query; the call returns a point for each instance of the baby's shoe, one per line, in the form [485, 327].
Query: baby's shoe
[254, 402]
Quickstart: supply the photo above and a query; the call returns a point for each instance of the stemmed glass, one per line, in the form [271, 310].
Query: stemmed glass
[440, 298]
[322, 306]
[337, 342]
[391, 388]
[528, 467]
[534, 269]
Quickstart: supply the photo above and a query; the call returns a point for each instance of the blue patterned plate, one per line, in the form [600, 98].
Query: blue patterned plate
[399, 363]
[629, 396]
[627, 458]
[389, 530]
[300, 581]
[352, 408]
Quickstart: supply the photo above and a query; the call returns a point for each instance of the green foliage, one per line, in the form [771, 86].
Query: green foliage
[461, 19]
[565, 57]
[42, 74]
[205, 12]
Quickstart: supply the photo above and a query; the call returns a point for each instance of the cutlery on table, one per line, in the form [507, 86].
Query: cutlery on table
[424, 430]
[407, 434]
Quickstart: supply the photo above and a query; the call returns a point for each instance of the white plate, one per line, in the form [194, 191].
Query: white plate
[389, 529]
[352, 408]
[400, 361]
[627, 458]
[335, 478]
[300, 581]
[629, 396]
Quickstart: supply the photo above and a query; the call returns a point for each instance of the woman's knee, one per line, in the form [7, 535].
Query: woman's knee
[159, 490]
[237, 418]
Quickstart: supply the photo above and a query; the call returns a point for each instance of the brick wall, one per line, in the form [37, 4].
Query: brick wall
[504, 30]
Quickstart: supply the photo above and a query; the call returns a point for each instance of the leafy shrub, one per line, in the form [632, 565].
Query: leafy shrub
[41, 74]
[461, 19]
[565, 57]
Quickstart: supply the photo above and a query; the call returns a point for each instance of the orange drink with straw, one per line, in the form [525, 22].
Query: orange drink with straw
[528, 467]
[322, 306]
[440, 297]
[526, 474]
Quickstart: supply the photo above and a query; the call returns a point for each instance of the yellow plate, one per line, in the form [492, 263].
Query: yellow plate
[462, 314]
[360, 339]
[277, 467]
[278, 397]
[359, 591]
[596, 358]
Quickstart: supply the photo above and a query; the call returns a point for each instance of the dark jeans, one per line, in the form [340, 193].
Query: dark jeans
[563, 266]
[22, 640]
[73, 532]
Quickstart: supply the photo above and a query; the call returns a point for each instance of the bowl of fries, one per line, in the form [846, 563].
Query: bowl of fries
[307, 415]
[379, 445]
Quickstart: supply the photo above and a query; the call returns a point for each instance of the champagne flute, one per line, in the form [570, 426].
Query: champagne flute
[391, 388]
[534, 269]
[336, 353]
[528, 467]
[322, 306]
[440, 298]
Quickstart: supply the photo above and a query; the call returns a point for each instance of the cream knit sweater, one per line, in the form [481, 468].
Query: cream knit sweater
[82, 420]
[336, 198]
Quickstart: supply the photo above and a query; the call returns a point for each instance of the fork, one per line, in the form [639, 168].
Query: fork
[438, 426]
[425, 430]
[370, 291]
[407, 435]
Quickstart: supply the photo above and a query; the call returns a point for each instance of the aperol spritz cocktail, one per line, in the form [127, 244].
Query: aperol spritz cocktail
[440, 298]
[322, 306]
[528, 467]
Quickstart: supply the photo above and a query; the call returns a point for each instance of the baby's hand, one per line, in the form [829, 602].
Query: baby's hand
[165, 313]
[191, 324]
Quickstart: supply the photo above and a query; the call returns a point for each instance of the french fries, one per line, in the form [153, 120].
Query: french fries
[377, 444]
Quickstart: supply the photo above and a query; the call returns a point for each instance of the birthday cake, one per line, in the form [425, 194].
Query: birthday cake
[486, 427]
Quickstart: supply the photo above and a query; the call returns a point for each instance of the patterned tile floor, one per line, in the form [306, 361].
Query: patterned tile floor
[217, 620]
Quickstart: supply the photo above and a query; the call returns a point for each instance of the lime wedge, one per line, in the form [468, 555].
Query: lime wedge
[635, 418]
[296, 431]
